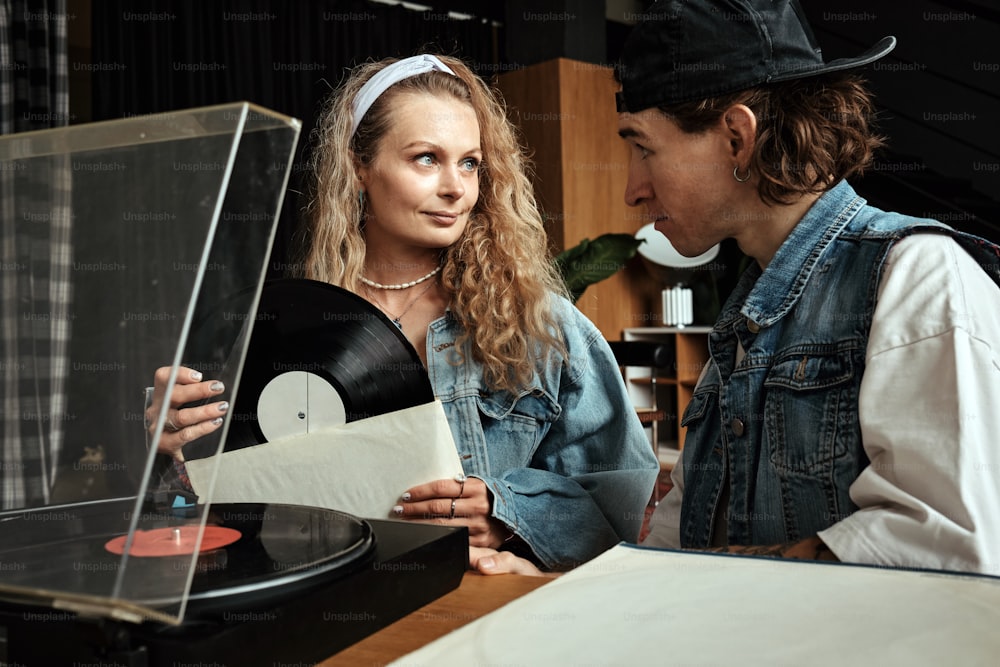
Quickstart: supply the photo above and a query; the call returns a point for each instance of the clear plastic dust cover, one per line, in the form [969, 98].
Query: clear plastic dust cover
[128, 246]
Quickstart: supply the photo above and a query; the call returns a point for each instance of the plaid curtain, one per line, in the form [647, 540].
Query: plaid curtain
[36, 253]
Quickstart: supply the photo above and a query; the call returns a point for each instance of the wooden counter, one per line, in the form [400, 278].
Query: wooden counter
[476, 596]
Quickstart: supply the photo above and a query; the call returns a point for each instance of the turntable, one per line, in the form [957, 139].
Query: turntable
[295, 584]
[103, 558]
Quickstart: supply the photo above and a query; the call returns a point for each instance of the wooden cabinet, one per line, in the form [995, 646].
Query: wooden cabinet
[566, 114]
[673, 385]
[565, 111]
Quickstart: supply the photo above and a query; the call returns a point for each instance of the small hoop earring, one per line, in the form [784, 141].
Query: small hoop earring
[736, 175]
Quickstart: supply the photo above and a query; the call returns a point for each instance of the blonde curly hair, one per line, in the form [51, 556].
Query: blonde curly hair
[499, 274]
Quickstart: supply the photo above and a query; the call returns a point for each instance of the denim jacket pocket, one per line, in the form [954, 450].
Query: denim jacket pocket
[811, 398]
[515, 425]
[701, 400]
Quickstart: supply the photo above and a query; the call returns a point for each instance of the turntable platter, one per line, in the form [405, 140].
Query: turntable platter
[270, 552]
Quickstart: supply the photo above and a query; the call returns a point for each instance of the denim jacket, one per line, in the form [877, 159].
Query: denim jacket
[773, 440]
[566, 459]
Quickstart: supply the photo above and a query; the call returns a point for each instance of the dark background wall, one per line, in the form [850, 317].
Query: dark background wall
[939, 92]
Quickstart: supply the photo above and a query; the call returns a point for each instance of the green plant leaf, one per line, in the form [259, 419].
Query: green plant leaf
[589, 261]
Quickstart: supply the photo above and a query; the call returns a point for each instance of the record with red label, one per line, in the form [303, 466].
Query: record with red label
[249, 554]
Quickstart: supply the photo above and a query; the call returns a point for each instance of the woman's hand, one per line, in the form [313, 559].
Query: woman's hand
[463, 501]
[491, 561]
[184, 424]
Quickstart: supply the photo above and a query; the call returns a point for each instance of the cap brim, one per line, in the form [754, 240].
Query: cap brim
[884, 46]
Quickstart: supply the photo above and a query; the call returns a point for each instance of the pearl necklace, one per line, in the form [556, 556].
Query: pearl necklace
[372, 283]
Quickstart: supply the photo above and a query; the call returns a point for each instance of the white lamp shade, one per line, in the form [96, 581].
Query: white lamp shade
[658, 250]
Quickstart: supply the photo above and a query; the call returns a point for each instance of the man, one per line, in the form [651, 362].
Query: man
[849, 407]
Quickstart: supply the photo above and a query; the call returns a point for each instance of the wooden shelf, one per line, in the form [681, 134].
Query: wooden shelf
[649, 415]
[673, 392]
[660, 379]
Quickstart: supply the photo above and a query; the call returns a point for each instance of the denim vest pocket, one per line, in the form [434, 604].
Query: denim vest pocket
[701, 400]
[515, 425]
[810, 409]
[698, 405]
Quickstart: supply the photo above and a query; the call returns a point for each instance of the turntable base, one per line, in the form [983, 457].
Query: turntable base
[413, 564]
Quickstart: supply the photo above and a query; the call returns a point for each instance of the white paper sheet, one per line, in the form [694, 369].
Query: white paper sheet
[360, 468]
[640, 606]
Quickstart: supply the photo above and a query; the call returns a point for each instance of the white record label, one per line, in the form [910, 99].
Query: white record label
[297, 402]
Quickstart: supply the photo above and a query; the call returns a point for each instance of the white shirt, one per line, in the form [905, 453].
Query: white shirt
[930, 421]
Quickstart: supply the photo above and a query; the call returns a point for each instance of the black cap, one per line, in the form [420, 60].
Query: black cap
[685, 50]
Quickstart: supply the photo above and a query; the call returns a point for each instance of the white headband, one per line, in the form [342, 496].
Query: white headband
[394, 73]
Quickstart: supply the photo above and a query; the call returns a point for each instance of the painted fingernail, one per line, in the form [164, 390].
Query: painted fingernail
[196, 376]
[397, 510]
[217, 421]
[217, 386]
[223, 406]
[405, 496]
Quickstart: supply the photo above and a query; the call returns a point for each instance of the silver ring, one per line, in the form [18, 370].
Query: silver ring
[461, 490]
[453, 509]
[172, 425]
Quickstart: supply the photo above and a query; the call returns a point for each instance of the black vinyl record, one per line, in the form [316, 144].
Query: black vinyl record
[280, 551]
[357, 362]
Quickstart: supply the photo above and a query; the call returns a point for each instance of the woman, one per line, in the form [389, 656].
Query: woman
[421, 204]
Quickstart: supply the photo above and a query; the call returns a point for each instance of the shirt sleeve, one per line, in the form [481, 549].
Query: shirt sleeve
[929, 415]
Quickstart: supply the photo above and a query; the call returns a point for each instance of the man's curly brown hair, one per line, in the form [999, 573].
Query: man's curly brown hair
[811, 132]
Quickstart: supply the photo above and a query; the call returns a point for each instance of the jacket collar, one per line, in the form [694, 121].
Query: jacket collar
[773, 292]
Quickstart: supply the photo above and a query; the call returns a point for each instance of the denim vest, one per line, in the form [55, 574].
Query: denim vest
[782, 425]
